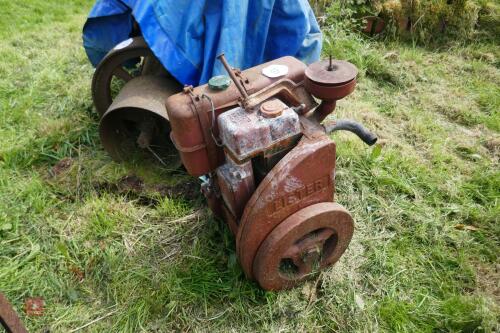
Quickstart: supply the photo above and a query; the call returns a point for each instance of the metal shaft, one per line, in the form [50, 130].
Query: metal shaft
[233, 77]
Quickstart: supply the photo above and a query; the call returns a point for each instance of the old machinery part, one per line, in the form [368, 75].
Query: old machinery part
[330, 80]
[129, 59]
[245, 135]
[190, 114]
[138, 122]
[9, 319]
[303, 177]
[237, 184]
[219, 82]
[286, 90]
[266, 163]
[272, 109]
[269, 164]
[305, 242]
[352, 126]
[232, 75]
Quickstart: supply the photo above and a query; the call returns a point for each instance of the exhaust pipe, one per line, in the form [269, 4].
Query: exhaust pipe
[352, 126]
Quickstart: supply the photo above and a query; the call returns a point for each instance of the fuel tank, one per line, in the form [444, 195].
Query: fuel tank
[191, 112]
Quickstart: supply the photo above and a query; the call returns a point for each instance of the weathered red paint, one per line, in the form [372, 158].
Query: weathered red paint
[302, 178]
[9, 319]
[330, 81]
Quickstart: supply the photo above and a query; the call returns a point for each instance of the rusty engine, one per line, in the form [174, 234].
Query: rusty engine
[255, 140]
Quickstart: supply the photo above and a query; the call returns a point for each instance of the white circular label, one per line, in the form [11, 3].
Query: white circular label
[275, 71]
[124, 44]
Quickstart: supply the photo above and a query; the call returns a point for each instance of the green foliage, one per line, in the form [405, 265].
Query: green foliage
[422, 21]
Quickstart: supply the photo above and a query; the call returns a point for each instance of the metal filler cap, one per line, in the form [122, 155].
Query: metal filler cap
[272, 108]
[219, 82]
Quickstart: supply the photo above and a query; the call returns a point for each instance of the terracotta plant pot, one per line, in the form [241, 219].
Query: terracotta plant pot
[374, 25]
[404, 23]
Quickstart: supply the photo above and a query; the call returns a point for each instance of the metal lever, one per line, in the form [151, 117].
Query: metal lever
[233, 77]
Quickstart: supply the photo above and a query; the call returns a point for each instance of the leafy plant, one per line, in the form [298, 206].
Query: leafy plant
[422, 21]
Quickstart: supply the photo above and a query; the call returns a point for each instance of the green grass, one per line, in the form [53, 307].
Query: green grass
[138, 261]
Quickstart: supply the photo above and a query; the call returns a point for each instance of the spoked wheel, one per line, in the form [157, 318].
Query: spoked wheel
[129, 59]
[307, 241]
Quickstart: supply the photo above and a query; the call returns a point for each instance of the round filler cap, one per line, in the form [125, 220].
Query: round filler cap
[219, 82]
[272, 108]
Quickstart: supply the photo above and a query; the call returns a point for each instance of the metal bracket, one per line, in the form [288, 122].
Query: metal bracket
[245, 82]
[206, 129]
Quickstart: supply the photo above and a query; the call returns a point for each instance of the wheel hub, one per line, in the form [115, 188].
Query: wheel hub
[308, 252]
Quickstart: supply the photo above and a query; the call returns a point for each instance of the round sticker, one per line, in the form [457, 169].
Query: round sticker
[275, 71]
[124, 44]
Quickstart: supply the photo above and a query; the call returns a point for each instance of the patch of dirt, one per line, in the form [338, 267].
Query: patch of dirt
[488, 280]
[61, 167]
[493, 146]
[130, 183]
[148, 195]
[189, 190]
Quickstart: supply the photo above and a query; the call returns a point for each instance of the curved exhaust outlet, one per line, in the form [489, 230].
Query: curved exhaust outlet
[352, 126]
[137, 121]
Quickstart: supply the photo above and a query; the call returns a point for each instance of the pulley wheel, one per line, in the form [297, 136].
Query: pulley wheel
[334, 73]
[330, 80]
[307, 241]
[129, 59]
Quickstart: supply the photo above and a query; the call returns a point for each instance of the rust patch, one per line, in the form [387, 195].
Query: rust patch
[312, 238]
[294, 197]
[311, 162]
[187, 131]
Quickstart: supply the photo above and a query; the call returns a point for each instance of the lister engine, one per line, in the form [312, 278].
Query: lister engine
[269, 165]
[266, 163]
